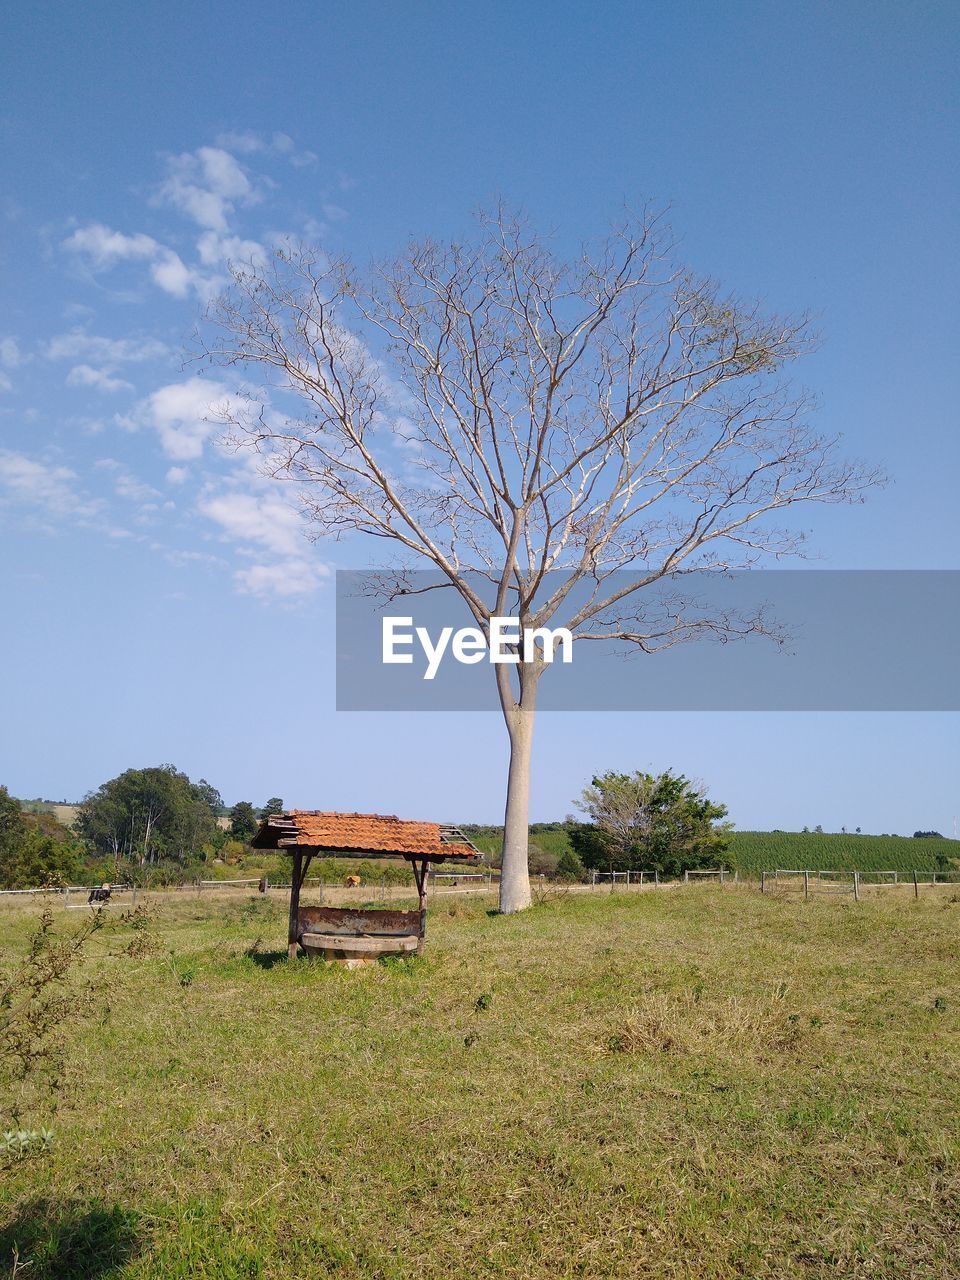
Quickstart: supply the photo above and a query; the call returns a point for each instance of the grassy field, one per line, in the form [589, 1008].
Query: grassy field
[691, 1083]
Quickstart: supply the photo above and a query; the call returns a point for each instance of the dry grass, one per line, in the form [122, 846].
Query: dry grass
[684, 1022]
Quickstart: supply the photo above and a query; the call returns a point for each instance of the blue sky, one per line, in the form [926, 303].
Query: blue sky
[160, 601]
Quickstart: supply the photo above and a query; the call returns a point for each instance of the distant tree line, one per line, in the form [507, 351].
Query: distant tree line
[157, 824]
[153, 822]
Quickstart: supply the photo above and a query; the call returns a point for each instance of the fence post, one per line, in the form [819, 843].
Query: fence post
[321, 889]
[856, 886]
[763, 882]
[916, 887]
[686, 877]
[66, 894]
[628, 877]
[806, 885]
[721, 875]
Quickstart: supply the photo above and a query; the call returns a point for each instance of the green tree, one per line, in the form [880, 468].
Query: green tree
[650, 822]
[34, 849]
[273, 805]
[569, 866]
[144, 815]
[44, 860]
[243, 821]
[209, 793]
[13, 830]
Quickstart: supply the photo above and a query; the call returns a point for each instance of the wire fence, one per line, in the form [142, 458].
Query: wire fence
[784, 880]
[71, 894]
[808, 881]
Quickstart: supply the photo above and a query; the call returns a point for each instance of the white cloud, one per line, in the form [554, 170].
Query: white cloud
[10, 354]
[247, 142]
[5, 383]
[266, 521]
[134, 490]
[177, 475]
[172, 274]
[244, 141]
[84, 375]
[287, 578]
[214, 249]
[42, 484]
[79, 345]
[265, 525]
[205, 185]
[105, 246]
[184, 415]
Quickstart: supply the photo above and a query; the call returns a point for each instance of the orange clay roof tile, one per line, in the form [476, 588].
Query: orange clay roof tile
[362, 833]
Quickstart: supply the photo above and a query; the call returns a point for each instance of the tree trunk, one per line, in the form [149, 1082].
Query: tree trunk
[515, 872]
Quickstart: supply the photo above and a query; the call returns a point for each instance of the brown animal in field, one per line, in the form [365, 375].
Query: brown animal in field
[353, 882]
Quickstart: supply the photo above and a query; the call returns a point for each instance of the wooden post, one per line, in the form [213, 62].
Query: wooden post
[420, 876]
[686, 877]
[293, 929]
[628, 877]
[916, 887]
[656, 877]
[856, 886]
[806, 885]
[763, 882]
[135, 891]
[721, 875]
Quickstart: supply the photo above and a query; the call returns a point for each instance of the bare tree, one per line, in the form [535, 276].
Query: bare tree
[498, 414]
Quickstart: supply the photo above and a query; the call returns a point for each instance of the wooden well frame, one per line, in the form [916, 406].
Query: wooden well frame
[357, 934]
[355, 921]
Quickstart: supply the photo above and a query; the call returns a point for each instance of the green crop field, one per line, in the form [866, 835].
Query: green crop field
[698, 1082]
[756, 851]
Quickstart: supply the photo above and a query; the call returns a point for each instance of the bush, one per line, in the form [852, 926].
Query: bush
[541, 862]
[569, 867]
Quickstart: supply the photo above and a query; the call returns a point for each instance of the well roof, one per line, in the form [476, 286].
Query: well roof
[373, 834]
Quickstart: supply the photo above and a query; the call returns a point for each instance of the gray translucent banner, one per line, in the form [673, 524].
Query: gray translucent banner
[779, 640]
